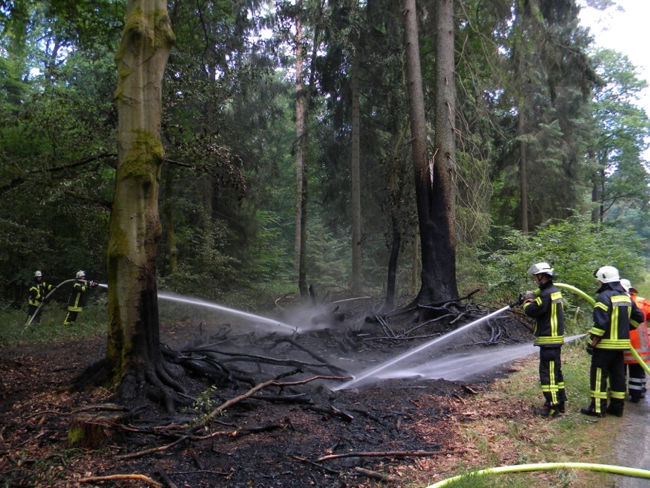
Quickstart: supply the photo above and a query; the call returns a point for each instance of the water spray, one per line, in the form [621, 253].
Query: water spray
[175, 298]
[422, 347]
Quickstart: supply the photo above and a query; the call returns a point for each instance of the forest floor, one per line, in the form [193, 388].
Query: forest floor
[395, 432]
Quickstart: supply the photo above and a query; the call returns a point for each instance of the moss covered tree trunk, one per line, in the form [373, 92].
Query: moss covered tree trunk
[133, 343]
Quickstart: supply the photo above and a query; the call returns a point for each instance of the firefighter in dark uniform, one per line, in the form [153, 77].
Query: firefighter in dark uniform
[77, 298]
[545, 306]
[614, 315]
[37, 291]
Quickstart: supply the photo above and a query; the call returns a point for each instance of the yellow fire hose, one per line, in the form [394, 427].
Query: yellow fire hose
[519, 468]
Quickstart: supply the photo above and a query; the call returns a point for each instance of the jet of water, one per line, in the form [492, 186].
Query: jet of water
[422, 347]
[202, 303]
[461, 366]
[214, 306]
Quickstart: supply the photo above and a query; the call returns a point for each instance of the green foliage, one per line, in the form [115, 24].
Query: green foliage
[204, 404]
[574, 247]
[328, 256]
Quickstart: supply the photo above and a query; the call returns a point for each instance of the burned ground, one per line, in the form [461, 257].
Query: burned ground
[292, 435]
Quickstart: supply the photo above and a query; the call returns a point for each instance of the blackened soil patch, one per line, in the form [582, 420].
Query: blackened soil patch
[306, 435]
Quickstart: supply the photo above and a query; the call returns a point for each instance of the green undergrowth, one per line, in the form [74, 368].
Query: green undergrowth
[528, 439]
[14, 331]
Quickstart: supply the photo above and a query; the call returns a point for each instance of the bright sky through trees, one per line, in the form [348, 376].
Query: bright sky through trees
[623, 28]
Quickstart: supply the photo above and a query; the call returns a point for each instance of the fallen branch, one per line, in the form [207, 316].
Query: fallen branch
[333, 411]
[165, 478]
[319, 466]
[139, 477]
[334, 369]
[375, 475]
[381, 454]
[219, 410]
[152, 450]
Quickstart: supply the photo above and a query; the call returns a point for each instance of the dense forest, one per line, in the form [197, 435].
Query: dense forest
[344, 145]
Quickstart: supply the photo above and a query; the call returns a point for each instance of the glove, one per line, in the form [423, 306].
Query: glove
[530, 294]
[591, 345]
[93, 284]
[518, 301]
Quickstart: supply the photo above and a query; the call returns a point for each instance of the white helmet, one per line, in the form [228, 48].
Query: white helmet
[540, 268]
[626, 284]
[607, 274]
[38, 274]
[81, 274]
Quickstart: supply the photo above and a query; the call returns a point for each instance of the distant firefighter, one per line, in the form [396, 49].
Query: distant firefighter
[37, 291]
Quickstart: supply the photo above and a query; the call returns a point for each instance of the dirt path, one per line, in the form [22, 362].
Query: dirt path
[633, 447]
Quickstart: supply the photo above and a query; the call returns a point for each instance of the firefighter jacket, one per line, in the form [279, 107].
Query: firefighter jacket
[614, 315]
[639, 337]
[548, 313]
[37, 292]
[77, 298]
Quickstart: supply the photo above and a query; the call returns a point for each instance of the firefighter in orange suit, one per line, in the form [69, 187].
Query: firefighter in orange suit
[641, 344]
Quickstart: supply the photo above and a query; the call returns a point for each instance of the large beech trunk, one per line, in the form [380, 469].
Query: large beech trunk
[133, 338]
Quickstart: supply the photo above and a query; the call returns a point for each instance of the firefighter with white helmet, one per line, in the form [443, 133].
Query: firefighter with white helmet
[614, 315]
[545, 306]
[641, 343]
[77, 298]
[37, 291]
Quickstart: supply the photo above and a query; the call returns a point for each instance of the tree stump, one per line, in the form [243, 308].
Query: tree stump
[95, 429]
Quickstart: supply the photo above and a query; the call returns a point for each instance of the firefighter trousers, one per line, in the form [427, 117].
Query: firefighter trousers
[550, 375]
[607, 365]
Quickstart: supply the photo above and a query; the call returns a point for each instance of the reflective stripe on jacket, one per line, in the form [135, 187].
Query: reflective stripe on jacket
[614, 315]
[77, 298]
[548, 313]
[37, 292]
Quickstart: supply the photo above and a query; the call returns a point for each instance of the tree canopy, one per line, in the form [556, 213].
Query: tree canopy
[546, 129]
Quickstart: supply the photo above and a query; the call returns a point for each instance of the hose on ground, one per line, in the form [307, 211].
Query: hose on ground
[519, 468]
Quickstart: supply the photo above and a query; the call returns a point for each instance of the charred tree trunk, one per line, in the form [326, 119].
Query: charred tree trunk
[433, 178]
[133, 350]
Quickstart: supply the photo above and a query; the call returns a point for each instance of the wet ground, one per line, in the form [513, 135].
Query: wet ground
[290, 436]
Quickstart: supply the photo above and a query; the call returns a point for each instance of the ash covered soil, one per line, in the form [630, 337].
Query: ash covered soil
[309, 433]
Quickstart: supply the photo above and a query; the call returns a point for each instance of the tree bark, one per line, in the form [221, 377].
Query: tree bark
[355, 163]
[523, 175]
[172, 249]
[434, 178]
[301, 178]
[133, 337]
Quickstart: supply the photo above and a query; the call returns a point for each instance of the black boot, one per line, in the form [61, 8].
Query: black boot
[591, 411]
[561, 408]
[616, 407]
[548, 411]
